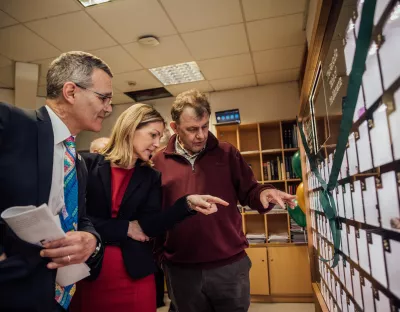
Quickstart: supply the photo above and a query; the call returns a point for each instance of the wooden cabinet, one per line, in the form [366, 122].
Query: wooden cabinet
[259, 282]
[289, 270]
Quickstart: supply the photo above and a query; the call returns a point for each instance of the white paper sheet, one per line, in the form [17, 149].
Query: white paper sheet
[340, 202]
[349, 48]
[362, 246]
[368, 296]
[370, 202]
[352, 155]
[36, 225]
[360, 106]
[347, 274]
[357, 287]
[371, 80]
[383, 304]
[394, 125]
[357, 202]
[389, 52]
[345, 247]
[380, 139]
[388, 200]
[364, 148]
[393, 268]
[352, 244]
[377, 259]
[348, 205]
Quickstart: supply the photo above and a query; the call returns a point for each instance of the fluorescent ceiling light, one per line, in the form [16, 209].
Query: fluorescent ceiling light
[87, 3]
[178, 73]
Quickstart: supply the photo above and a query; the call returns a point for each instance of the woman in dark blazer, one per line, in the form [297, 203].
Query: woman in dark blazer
[124, 203]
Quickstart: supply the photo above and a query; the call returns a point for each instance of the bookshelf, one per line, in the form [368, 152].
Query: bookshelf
[267, 147]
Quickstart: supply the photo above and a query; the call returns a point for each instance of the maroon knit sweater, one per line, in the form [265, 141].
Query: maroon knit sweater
[214, 240]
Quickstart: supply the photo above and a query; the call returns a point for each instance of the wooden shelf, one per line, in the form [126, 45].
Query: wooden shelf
[250, 153]
[260, 143]
[274, 181]
[294, 149]
[272, 151]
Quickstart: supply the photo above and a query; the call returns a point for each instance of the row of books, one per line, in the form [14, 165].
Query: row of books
[298, 234]
[290, 136]
[281, 237]
[256, 238]
[275, 169]
[292, 189]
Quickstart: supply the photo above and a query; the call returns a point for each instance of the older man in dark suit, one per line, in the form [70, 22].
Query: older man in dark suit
[39, 164]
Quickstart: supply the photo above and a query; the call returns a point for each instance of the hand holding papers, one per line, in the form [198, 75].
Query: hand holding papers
[36, 225]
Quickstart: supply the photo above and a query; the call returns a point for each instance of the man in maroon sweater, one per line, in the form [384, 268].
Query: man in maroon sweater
[204, 257]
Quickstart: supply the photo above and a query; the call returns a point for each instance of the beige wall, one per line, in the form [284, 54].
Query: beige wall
[256, 104]
[7, 96]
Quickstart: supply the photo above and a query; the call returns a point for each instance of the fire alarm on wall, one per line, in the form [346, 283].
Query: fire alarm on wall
[149, 41]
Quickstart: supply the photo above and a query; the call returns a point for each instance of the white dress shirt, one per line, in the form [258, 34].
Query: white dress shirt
[61, 133]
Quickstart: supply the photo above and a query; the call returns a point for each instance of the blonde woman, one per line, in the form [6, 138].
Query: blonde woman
[124, 203]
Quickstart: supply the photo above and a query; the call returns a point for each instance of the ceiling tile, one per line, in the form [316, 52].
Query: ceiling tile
[278, 76]
[41, 91]
[6, 20]
[7, 76]
[224, 67]
[128, 20]
[217, 42]
[21, 44]
[278, 59]
[171, 50]
[118, 59]
[71, 32]
[121, 98]
[259, 9]
[5, 61]
[276, 32]
[190, 15]
[143, 78]
[202, 86]
[234, 83]
[24, 11]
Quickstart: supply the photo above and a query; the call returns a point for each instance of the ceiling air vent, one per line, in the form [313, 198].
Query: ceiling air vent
[149, 94]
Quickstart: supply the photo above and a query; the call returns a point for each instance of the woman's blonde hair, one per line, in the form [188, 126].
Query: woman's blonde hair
[119, 149]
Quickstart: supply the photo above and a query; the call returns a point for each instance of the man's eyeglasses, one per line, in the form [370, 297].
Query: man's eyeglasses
[106, 99]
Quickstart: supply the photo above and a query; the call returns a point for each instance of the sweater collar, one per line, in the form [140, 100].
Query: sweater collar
[212, 142]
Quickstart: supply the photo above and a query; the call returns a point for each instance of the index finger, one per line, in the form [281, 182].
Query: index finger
[55, 243]
[217, 200]
[279, 200]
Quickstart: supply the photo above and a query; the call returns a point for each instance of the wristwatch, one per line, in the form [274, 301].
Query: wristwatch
[97, 249]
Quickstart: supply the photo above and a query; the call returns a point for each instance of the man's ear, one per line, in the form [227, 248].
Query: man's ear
[173, 126]
[68, 91]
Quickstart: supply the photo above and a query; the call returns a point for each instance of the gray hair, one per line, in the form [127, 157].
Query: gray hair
[75, 66]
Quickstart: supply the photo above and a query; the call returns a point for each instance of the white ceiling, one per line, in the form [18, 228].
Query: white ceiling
[236, 43]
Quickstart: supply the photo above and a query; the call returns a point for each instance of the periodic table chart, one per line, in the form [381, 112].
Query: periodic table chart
[367, 277]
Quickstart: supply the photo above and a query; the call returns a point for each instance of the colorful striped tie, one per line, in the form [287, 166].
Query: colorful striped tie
[69, 213]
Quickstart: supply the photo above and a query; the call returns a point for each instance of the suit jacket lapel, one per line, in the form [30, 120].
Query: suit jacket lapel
[105, 176]
[45, 155]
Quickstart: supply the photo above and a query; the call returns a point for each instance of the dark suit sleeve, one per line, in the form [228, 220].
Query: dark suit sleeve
[154, 222]
[111, 230]
[5, 111]
[84, 223]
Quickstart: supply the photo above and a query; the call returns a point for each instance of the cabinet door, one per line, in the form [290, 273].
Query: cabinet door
[289, 270]
[259, 271]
